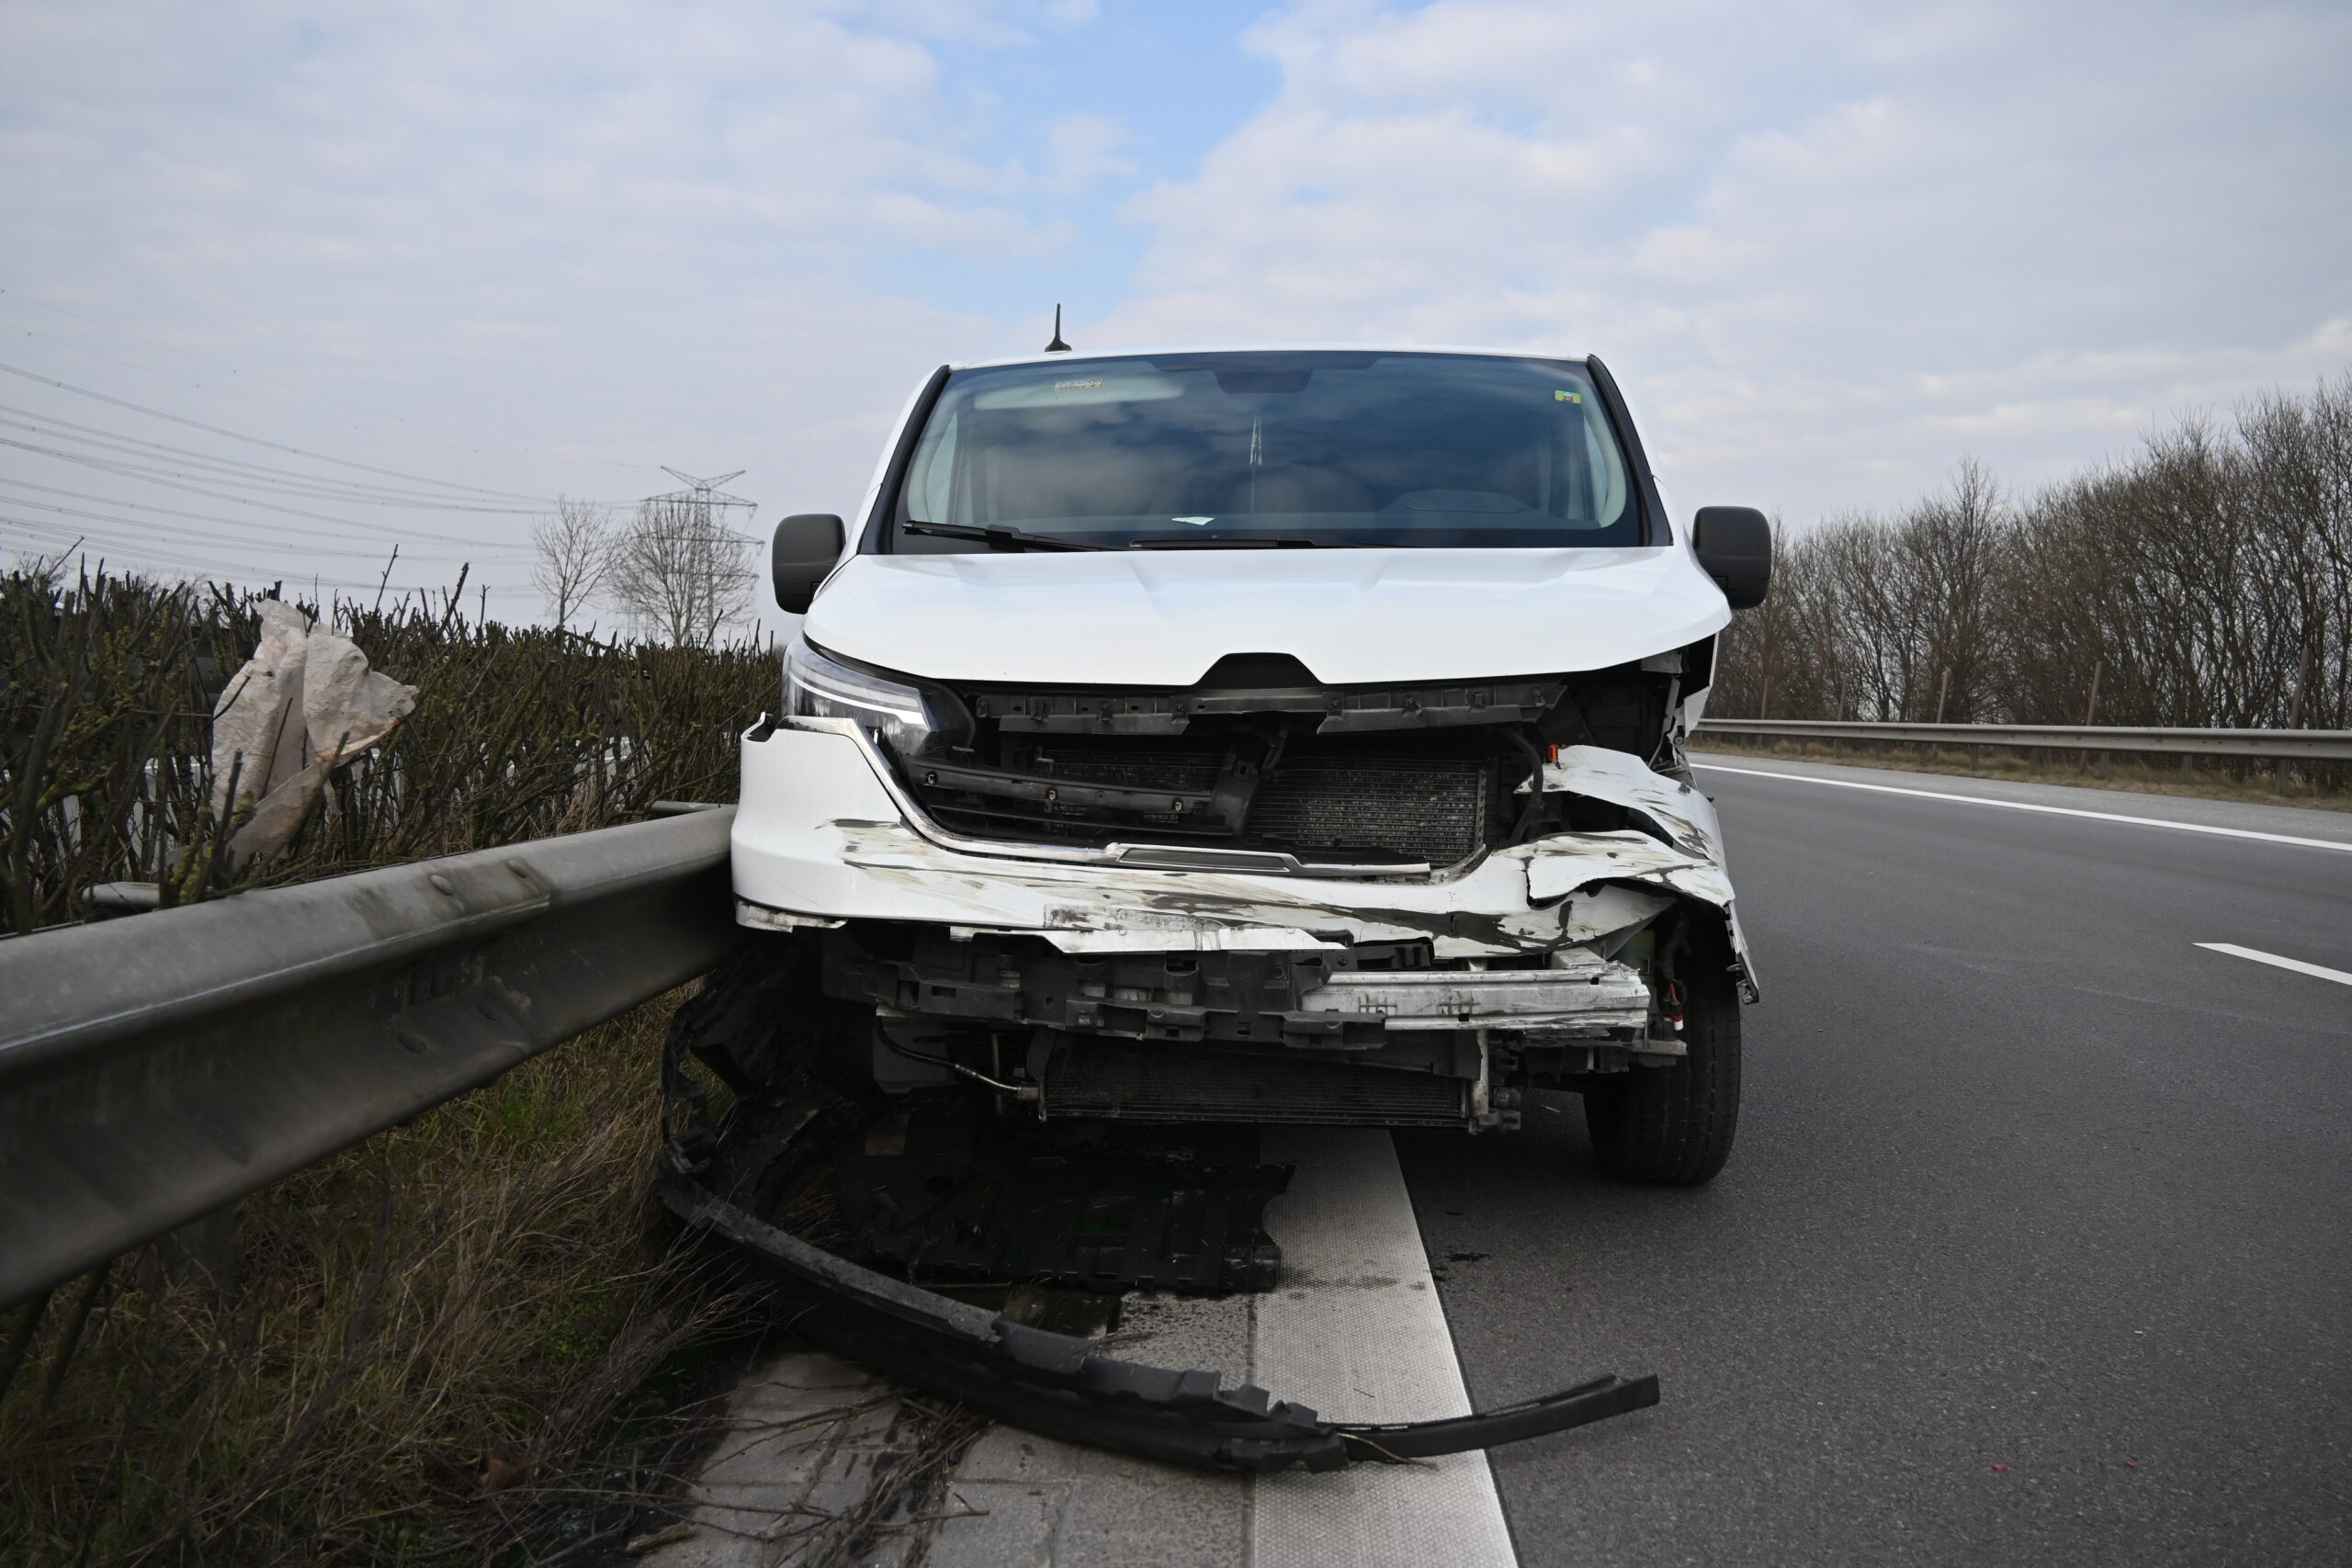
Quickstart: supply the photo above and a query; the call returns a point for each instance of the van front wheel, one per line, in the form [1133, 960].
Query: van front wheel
[1673, 1126]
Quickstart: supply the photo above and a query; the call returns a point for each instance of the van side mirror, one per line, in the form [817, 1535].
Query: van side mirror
[806, 546]
[1735, 547]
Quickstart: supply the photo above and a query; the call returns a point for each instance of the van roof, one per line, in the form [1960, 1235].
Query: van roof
[1151, 353]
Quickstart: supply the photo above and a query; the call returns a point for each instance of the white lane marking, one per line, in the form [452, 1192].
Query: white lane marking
[1355, 1329]
[2341, 845]
[2296, 965]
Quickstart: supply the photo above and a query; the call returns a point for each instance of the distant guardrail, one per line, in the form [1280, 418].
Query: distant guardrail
[2292, 745]
[158, 1067]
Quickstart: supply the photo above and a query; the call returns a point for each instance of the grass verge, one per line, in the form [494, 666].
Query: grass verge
[2130, 775]
[436, 1350]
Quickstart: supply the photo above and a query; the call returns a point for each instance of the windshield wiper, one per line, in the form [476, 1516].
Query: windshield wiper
[1196, 544]
[1004, 538]
[1000, 538]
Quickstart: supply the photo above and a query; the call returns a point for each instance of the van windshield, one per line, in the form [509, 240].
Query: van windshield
[1327, 449]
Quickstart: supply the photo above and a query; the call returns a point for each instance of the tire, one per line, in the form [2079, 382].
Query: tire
[1673, 1126]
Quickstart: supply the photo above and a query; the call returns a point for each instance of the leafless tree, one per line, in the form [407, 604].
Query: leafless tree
[682, 576]
[575, 549]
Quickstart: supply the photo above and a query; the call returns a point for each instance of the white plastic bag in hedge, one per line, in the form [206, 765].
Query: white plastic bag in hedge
[303, 705]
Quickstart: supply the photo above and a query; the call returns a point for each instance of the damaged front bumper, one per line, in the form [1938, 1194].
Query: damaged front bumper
[825, 835]
[1159, 982]
[720, 1180]
[1053, 1384]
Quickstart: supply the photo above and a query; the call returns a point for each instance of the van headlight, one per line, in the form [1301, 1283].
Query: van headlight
[906, 718]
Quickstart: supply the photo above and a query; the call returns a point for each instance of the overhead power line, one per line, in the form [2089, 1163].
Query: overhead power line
[370, 528]
[61, 540]
[277, 546]
[58, 429]
[307, 492]
[242, 546]
[278, 540]
[258, 441]
[408, 427]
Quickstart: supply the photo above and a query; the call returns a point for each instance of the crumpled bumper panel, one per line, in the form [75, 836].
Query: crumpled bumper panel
[818, 837]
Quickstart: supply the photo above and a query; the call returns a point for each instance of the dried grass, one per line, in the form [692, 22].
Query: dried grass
[422, 1361]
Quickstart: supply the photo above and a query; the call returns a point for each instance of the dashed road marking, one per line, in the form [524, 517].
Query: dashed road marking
[2296, 965]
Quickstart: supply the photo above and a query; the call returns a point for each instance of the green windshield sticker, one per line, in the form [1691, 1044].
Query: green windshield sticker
[1559, 397]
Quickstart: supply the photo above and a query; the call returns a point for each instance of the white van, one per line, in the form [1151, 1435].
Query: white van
[1261, 735]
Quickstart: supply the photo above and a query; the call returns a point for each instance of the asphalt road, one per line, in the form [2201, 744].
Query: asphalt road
[2035, 1245]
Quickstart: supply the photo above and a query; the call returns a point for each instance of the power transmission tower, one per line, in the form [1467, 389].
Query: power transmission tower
[702, 503]
[679, 570]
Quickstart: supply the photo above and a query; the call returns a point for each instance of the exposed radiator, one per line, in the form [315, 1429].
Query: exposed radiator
[1431, 808]
[1143, 1083]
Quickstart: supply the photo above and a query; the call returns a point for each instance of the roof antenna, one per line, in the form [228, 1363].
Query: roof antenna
[1057, 345]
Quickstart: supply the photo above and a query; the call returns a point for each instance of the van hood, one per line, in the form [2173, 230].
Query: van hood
[1164, 617]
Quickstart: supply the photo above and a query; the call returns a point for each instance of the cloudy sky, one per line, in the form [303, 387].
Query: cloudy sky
[282, 284]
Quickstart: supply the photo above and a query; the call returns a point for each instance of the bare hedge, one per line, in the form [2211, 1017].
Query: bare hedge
[107, 689]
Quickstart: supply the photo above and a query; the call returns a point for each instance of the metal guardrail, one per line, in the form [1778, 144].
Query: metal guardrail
[155, 1068]
[2301, 745]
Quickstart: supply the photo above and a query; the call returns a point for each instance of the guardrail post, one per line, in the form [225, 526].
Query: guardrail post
[202, 1252]
[27, 1323]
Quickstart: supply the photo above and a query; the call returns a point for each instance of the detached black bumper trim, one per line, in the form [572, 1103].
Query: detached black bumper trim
[1054, 1385]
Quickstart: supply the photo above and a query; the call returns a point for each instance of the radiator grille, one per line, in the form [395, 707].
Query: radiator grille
[1141, 1083]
